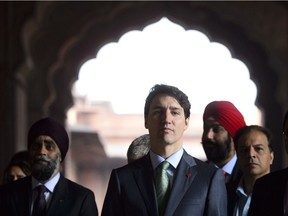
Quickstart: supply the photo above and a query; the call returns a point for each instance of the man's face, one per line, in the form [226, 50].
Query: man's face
[254, 155]
[45, 158]
[166, 121]
[216, 141]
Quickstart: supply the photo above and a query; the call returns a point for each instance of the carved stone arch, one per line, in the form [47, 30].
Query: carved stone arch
[83, 32]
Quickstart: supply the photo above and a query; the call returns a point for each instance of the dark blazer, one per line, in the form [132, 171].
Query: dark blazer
[232, 197]
[68, 199]
[198, 189]
[236, 174]
[268, 194]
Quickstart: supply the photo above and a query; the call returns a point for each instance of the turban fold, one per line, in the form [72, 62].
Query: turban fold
[49, 127]
[226, 114]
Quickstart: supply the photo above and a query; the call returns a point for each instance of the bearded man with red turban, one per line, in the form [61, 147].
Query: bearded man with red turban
[221, 120]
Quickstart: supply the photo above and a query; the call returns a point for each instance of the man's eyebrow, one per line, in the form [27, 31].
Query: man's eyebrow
[175, 108]
[161, 107]
[247, 145]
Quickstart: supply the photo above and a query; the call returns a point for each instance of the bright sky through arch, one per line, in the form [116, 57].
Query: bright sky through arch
[165, 52]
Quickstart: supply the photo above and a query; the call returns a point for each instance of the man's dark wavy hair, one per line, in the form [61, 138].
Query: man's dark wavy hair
[172, 91]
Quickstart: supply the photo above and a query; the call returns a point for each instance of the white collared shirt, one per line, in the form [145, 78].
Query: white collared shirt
[174, 160]
[50, 185]
[228, 168]
[243, 204]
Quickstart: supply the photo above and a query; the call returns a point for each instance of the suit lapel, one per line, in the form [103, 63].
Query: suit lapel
[186, 172]
[59, 198]
[144, 178]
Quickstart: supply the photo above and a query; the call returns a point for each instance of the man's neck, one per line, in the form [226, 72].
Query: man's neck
[221, 164]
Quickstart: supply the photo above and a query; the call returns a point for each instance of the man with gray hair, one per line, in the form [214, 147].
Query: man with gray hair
[138, 148]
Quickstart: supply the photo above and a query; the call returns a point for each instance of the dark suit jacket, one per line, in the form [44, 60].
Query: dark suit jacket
[68, 199]
[268, 194]
[232, 197]
[198, 189]
[236, 172]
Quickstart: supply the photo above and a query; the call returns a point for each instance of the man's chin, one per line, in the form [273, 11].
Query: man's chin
[41, 176]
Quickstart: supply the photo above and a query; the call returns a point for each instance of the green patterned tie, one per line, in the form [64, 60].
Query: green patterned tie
[162, 186]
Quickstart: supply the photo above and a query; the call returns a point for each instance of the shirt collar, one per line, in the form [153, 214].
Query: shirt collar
[240, 189]
[228, 168]
[50, 185]
[174, 159]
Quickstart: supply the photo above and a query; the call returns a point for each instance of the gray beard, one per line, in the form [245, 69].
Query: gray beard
[43, 172]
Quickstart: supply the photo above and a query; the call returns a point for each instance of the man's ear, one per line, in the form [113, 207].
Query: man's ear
[60, 156]
[145, 123]
[186, 123]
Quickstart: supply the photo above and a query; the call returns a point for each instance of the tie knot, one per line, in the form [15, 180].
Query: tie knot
[41, 189]
[164, 165]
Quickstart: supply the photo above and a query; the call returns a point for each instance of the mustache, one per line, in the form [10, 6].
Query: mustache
[40, 158]
[43, 158]
[208, 142]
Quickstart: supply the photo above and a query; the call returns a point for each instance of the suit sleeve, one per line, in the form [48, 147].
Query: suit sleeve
[256, 204]
[217, 197]
[112, 202]
[89, 207]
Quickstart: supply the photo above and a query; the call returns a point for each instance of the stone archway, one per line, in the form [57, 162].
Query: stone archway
[101, 28]
[66, 34]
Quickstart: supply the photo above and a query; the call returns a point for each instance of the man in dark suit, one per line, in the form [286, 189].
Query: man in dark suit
[46, 189]
[193, 186]
[255, 156]
[221, 120]
[270, 192]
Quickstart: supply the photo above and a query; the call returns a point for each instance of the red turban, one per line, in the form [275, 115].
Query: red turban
[226, 114]
[49, 127]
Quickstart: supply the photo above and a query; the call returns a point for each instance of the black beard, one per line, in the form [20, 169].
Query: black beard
[217, 152]
[42, 168]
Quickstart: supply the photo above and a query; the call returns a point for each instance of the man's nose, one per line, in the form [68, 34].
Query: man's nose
[167, 116]
[251, 152]
[210, 134]
[42, 149]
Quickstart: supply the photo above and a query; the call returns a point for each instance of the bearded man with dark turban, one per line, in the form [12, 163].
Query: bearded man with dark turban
[46, 191]
[221, 120]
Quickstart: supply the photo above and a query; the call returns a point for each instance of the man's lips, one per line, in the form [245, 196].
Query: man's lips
[252, 164]
[40, 161]
[166, 129]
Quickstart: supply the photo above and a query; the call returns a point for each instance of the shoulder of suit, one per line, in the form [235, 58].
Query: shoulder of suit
[279, 176]
[21, 184]
[192, 161]
[74, 187]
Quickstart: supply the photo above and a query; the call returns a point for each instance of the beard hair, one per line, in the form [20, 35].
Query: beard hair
[43, 172]
[218, 152]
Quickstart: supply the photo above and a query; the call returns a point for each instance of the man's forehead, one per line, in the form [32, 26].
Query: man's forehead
[44, 138]
[211, 121]
[164, 98]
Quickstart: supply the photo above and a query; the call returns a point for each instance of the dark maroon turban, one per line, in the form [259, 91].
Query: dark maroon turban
[226, 114]
[49, 127]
